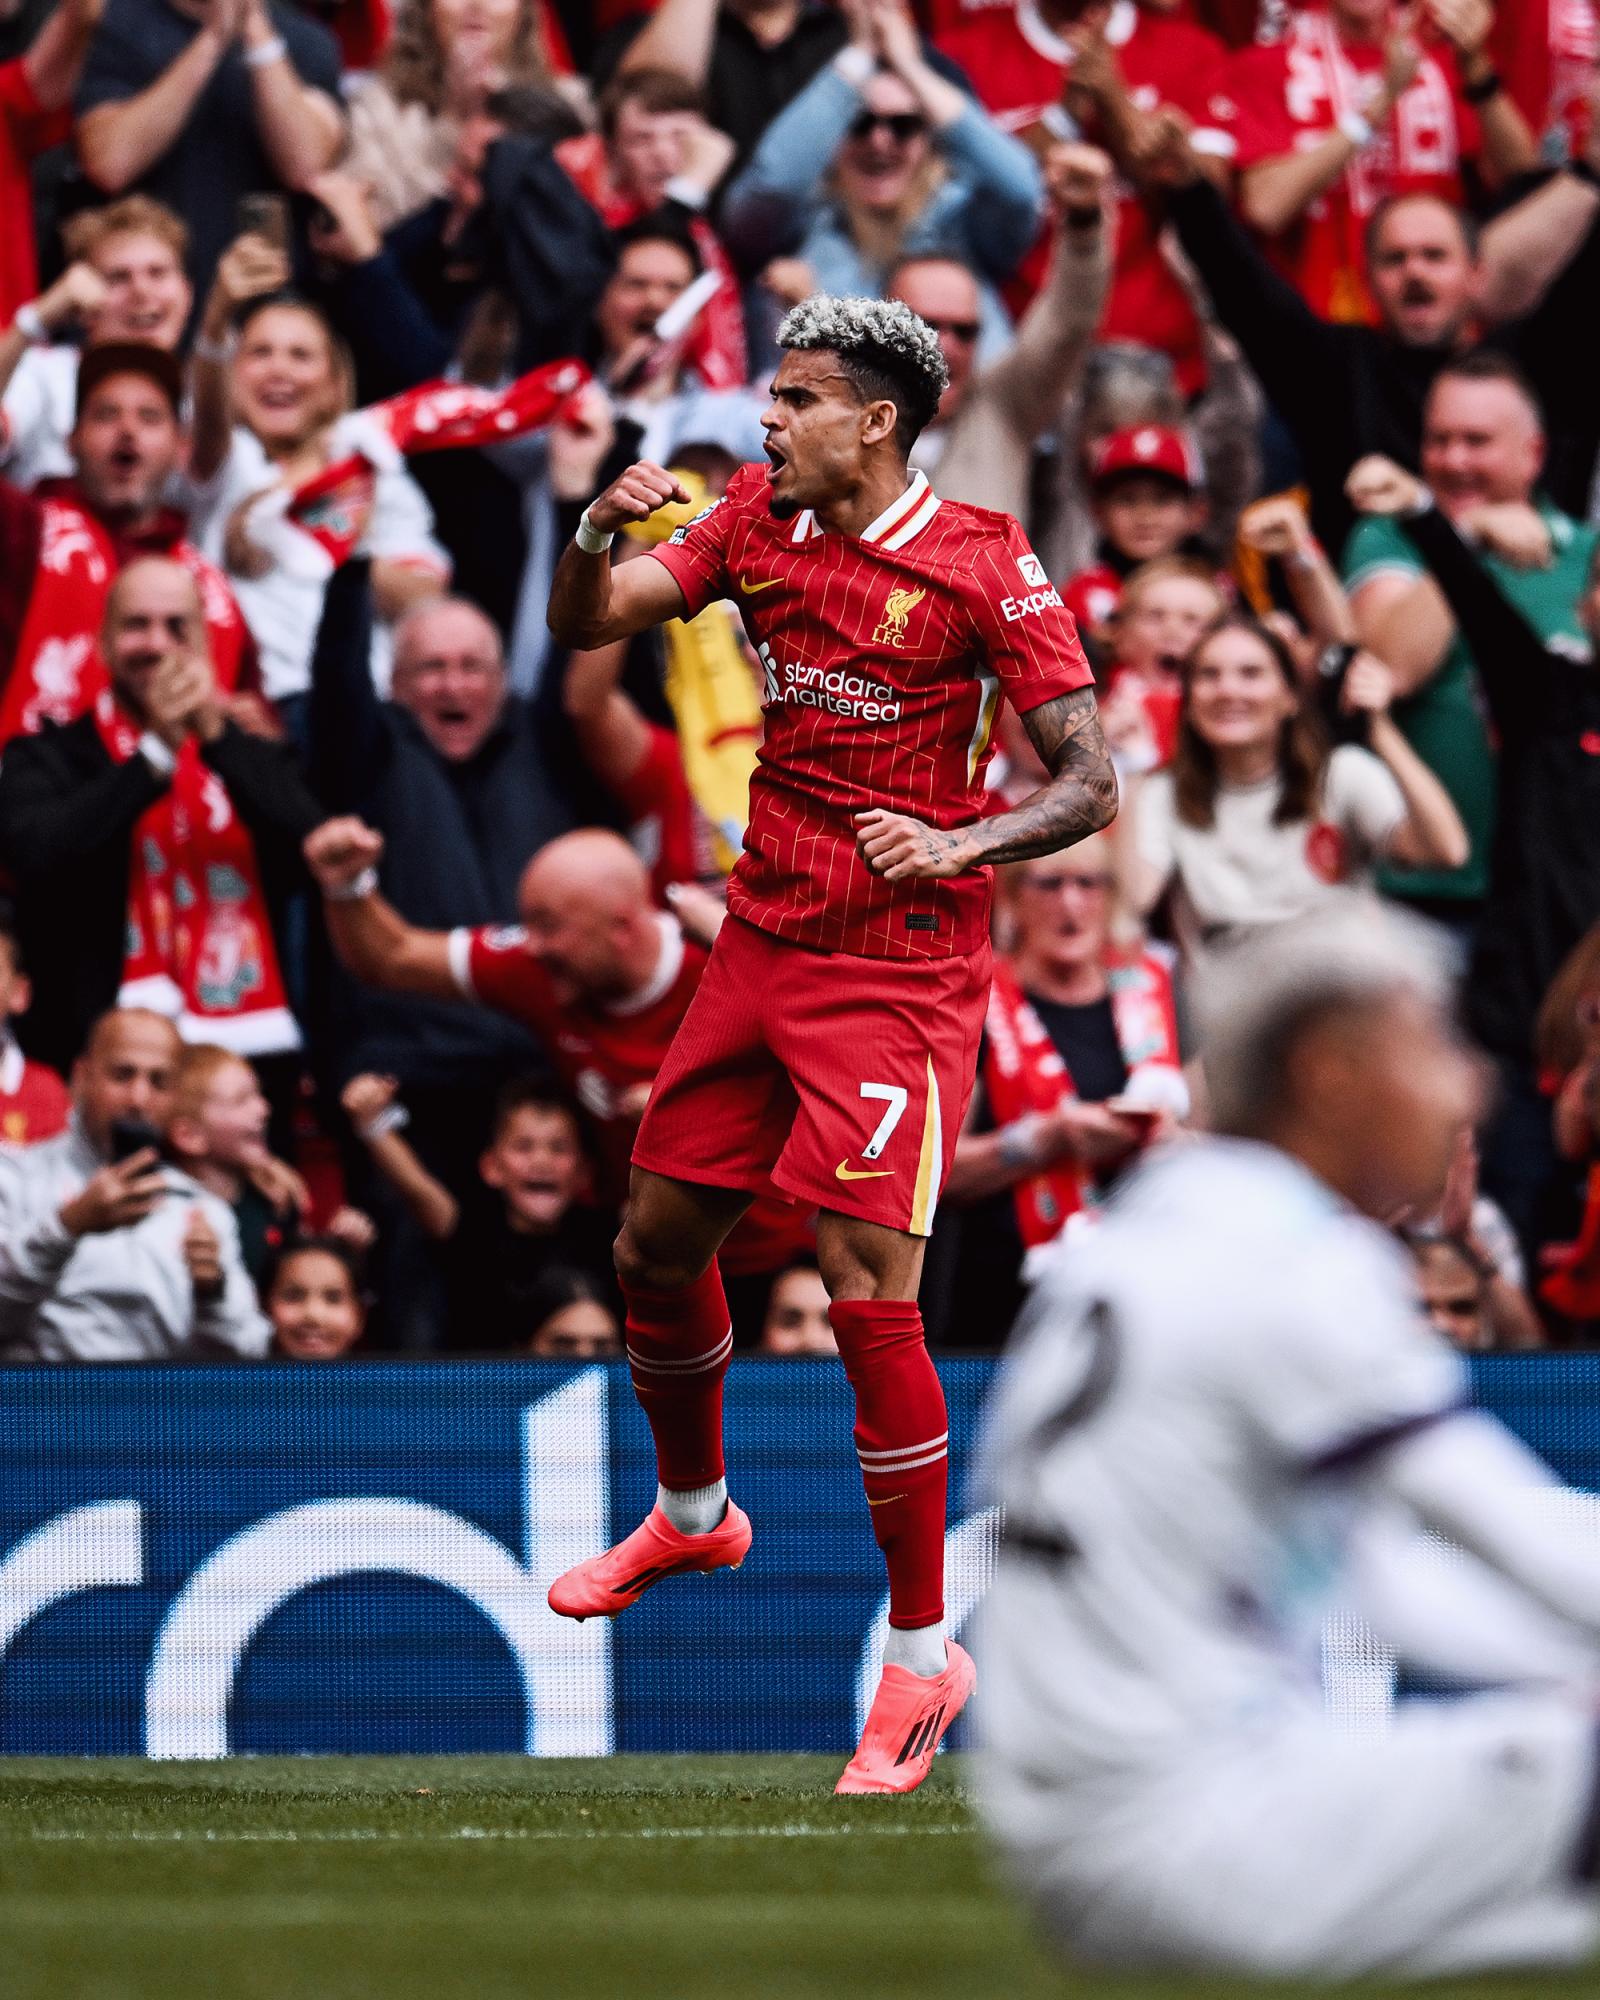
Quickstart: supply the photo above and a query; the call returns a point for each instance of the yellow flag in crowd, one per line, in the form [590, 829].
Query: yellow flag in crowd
[712, 694]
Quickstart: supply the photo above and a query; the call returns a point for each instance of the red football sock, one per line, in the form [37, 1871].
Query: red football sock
[678, 1349]
[902, 1440]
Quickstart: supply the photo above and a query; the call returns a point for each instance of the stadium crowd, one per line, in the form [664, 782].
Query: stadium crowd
[350, 917]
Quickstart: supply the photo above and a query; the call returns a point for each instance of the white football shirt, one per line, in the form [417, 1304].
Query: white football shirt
[1166, 1444]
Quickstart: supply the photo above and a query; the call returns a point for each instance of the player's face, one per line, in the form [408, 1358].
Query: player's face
[1389, 1088]
[817, 430]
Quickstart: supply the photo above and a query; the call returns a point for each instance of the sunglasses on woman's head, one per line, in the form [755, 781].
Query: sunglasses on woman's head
[901, 125]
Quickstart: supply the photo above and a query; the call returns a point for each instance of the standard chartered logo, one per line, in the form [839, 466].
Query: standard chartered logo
[838, 690]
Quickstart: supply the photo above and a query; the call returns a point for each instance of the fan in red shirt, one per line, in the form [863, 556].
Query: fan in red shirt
[1020, 60]
[601, 977]
[832, 1042]
[1345, 113]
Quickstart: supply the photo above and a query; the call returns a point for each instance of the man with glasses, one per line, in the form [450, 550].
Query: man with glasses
[1080, 1069]
[990, 420]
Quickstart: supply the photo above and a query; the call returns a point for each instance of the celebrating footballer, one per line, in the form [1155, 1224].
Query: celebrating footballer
[830, 1049]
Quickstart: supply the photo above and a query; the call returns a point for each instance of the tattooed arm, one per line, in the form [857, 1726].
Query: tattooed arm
[1080, 798]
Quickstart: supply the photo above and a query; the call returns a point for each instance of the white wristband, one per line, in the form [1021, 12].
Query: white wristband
[590, 539]
[27, 322]
[218, 352]
[356, 890]
[1357, 130]
[855, 64]
[158, 754]
[392, 1118]
[266, 52]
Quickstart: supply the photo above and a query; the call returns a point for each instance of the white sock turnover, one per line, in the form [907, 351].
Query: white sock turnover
[696, 1511]
[920, 1651]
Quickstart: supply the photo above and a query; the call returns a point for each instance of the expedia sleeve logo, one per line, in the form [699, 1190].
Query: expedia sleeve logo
[682, 534]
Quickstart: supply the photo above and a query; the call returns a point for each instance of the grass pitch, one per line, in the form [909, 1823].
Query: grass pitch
[656, 1877]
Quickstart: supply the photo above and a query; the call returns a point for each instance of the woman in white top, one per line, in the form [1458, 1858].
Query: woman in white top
[1256, 820]
[271, 413]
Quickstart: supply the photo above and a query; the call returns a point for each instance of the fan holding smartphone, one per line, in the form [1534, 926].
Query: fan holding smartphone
[109, 1252]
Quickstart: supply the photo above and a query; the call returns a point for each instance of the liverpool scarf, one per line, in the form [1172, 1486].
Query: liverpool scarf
[312, 528]
[1023, 1073]
[199, 945]
[57, 673]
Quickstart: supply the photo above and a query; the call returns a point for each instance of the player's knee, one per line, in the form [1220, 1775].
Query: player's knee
[652, 1260]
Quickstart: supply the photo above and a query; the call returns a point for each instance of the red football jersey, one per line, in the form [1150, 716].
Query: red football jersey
[603, 1054]
[1289, 97]
[884, 658]
[1018, 65]
[34, 1102]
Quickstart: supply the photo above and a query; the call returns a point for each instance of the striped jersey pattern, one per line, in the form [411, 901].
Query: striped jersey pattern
[884, 657]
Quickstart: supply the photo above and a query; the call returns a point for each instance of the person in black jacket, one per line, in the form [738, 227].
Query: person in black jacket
[1544, 882]
[453, 772]
[1344, 391]
[72, 797]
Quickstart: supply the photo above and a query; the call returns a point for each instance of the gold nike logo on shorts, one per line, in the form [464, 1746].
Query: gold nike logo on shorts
[750, 588]
[845, 1172]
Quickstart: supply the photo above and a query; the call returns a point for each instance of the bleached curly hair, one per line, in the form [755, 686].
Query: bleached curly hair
[887, 351]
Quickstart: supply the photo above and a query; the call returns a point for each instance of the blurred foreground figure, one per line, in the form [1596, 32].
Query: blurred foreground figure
[1226, 1418]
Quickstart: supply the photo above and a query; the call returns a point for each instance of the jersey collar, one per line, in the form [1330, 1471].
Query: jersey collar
[900, 522]
[668, 966]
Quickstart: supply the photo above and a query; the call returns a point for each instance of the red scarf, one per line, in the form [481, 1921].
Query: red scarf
[1023, 1073]
[57, 673]
[200, 947]
[331, 506]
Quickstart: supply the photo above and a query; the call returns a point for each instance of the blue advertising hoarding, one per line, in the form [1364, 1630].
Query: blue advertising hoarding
[199, 1562]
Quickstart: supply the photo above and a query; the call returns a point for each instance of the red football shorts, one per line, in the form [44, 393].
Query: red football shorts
[841, 1080]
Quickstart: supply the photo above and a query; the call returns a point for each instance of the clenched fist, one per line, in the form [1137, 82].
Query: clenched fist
[1378, 486]
[902, 849]
[635, 497]
[339, 850]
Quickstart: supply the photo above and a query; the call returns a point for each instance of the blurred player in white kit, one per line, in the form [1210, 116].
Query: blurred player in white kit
[1224, 1417]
